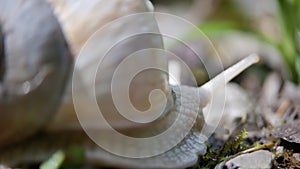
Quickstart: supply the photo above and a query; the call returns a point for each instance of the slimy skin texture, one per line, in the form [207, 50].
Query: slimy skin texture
[189, 102]
[183, 155]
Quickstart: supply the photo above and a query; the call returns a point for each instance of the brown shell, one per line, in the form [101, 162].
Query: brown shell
[34, 63]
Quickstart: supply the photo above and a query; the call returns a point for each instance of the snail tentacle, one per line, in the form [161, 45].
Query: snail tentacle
[206, 90]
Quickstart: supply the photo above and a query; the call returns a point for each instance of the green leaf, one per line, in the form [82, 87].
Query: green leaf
[216, 28]
[54, 162]
[75, 156]
[298, 67]
[289, 18]
[219, 27]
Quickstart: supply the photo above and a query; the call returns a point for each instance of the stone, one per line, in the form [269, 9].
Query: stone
[261, 159]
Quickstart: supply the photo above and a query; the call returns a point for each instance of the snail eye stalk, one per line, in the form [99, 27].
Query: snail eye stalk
[226, 76]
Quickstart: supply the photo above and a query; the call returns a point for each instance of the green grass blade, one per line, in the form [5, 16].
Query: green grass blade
[54, 162]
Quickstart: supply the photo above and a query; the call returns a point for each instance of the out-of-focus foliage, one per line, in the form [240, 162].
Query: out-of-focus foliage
[288, 20]
[54, 162]
[71, 157]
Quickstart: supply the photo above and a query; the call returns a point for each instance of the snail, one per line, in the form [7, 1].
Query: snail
[34, 62]
[86, 65]
[172, 102]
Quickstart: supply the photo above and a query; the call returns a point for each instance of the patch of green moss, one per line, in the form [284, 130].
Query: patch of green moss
[214, 157]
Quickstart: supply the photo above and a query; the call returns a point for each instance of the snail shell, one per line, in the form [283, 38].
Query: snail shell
[186, 102]
[34, 64]
[98, 10]
[180, 100]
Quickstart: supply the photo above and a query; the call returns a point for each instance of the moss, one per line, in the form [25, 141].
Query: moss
[214, 157]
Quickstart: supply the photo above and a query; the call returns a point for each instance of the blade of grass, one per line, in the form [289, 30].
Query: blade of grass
[54, 162]
[288, 21]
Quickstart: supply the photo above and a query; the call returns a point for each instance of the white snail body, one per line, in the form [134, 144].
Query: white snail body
[181, 104]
